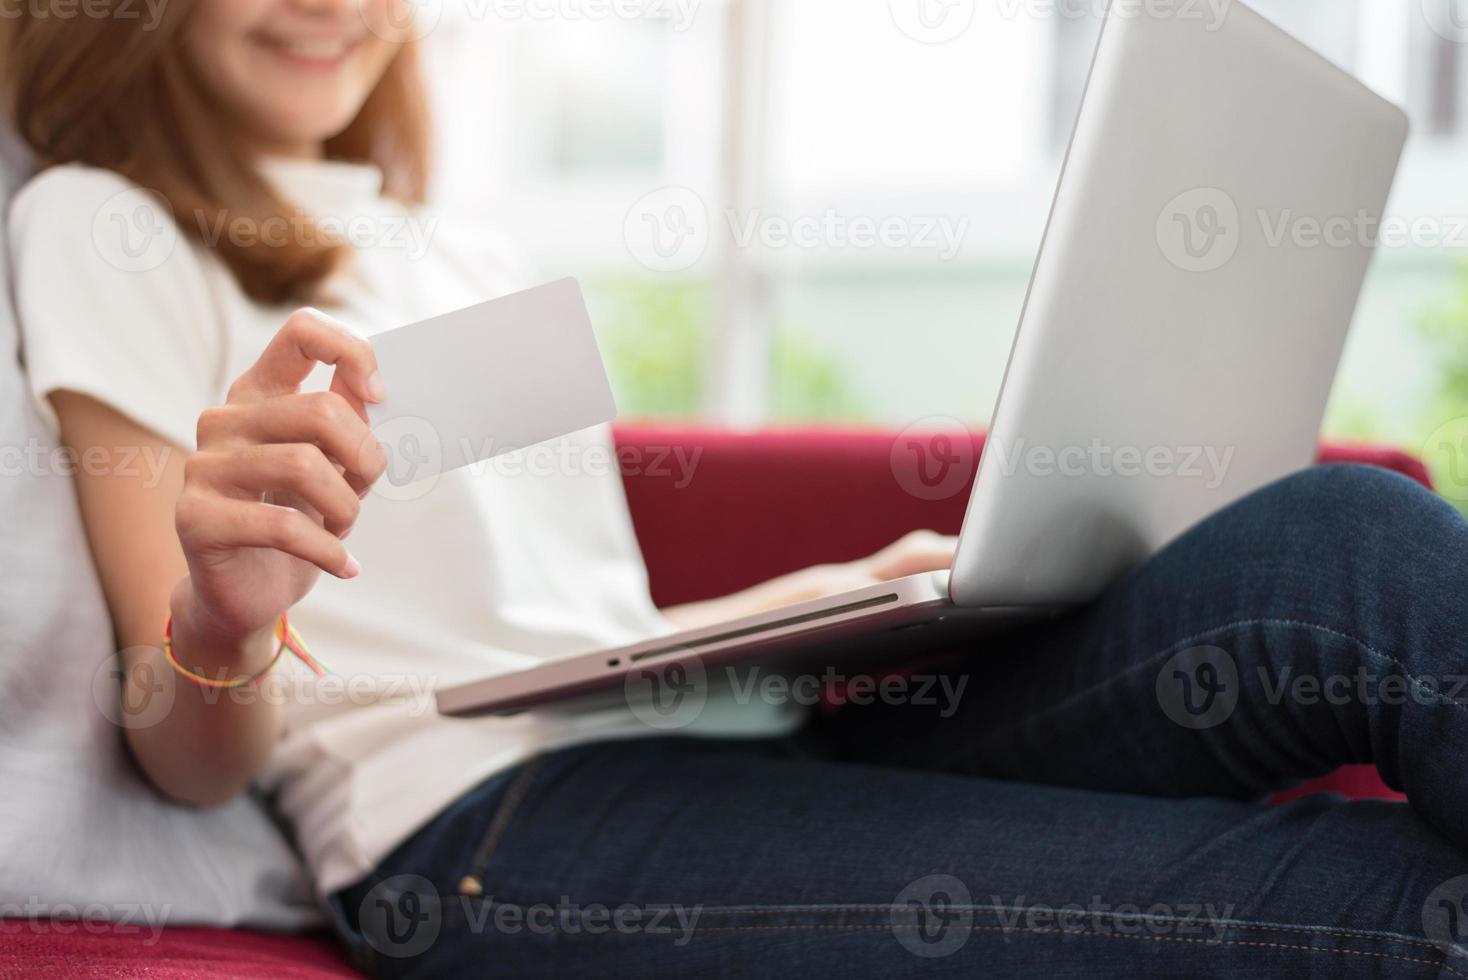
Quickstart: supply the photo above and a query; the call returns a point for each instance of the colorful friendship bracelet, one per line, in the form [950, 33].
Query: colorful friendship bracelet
[285, 635]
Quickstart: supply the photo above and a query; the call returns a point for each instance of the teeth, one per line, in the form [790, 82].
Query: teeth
[316, 49]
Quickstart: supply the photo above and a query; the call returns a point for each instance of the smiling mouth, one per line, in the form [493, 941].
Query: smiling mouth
[320, 53]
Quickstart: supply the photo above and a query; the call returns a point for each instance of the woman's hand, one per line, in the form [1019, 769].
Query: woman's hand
[226, 541]
[277, 481]
[911, 554]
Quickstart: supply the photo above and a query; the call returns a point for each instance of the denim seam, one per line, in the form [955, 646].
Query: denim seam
[1072, 934]
[1368, 648]
[1115, 917]
[1162, 654]
[514, 795]
[1112, 917]
[1092, 935]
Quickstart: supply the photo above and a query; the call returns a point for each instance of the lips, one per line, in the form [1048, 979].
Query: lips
[321, 53]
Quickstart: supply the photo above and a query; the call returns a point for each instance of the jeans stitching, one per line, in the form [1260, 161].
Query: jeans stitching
[1114, 917]
[514, 795]
[1341, 933]
[1108, 682]
[1060, 932]
[1406, 671]
[1050, 931]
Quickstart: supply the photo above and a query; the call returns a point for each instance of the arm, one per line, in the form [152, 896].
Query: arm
[225, 540]
[912, 554]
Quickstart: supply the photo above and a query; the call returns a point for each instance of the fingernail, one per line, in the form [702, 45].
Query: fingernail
[353, 568]
[376, 390]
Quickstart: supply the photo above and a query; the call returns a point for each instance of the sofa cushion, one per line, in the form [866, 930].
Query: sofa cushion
[78, 825]
[84, 951]
[718, 511]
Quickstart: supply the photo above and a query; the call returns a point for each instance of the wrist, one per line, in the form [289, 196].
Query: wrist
[207, 646]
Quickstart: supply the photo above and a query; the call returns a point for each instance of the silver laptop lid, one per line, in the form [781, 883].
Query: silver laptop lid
[1188, 308]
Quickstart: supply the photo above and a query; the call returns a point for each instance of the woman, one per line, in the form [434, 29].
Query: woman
[883, 840]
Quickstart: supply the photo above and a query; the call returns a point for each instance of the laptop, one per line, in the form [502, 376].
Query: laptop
[1183, 325]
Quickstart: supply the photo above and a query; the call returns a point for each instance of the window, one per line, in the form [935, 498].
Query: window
[789, 210]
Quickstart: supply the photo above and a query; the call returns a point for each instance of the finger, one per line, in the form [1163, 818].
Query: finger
[340, 387]
[913, 554]
[209, 521]
[308, 338]
[323, 418]
[296, 468]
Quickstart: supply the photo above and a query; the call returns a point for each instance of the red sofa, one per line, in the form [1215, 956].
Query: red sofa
[714, 512]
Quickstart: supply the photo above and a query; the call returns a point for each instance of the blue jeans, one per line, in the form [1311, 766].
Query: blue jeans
[1090, 806]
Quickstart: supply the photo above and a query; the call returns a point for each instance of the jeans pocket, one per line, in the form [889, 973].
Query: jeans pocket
[399, 906]
[471, 883]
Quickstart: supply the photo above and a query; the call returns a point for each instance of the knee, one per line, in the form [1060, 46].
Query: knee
[1351, 496]
[1349, 514]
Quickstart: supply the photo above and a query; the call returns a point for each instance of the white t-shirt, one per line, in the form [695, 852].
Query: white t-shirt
[493, 569]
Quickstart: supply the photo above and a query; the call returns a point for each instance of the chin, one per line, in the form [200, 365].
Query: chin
[304, 123]
[322, 124]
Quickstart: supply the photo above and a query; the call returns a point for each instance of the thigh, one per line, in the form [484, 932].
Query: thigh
[682, 857]
[1287, 635]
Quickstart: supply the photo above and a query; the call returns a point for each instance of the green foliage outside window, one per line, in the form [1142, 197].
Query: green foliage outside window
[655, 339]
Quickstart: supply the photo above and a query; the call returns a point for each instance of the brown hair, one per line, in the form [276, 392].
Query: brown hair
[108, 92]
